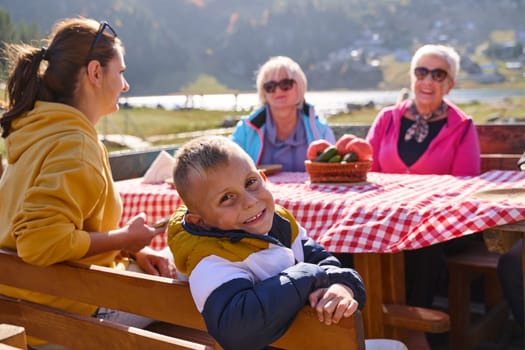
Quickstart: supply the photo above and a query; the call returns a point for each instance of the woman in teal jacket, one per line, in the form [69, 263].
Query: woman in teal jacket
[280, 131]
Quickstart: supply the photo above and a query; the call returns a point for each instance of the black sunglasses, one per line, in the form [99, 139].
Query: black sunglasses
[103, 26]
[437, 74]
[285, 85]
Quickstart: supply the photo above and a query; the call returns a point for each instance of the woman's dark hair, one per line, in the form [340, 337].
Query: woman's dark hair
[51, 74]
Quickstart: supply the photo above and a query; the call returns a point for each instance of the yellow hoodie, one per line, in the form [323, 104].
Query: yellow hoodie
[57, 187]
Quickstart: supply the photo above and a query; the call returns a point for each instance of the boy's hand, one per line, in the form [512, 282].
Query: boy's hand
[333, 303]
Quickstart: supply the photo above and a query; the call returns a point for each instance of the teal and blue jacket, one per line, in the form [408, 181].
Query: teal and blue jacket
[249, 132]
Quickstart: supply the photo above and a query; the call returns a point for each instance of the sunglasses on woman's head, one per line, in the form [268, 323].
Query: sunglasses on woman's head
[437, 74]
[98, 36]
[285, 85]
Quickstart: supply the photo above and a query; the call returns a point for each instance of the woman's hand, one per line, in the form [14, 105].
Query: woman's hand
[333, 303]
[137, 235]
[155, 263]
[132, 237]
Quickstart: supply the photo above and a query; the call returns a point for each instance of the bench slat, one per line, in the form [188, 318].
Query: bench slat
[416, 318]
[306, 332]
[501, 138]
[107, 287]
[83, 332]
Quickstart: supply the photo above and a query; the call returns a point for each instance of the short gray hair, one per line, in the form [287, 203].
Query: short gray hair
[272, 68]
[446, 53]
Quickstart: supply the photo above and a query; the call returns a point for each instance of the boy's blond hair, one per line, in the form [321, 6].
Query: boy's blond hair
[198, 156]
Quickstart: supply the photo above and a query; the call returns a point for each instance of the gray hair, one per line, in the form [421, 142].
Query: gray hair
[446, 53]
[271, 69]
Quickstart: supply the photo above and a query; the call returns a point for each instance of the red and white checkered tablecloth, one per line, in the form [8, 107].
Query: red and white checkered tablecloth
[387, 213]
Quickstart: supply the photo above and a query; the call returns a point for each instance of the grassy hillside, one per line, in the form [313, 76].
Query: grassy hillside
[149, 123]
[145, 122]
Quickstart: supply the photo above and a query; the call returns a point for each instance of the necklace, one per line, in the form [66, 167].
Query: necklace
[419, 130]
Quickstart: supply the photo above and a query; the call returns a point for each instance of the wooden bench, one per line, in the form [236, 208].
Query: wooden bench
[501, 145]
[466, 332]
[132, 164]
[180, 325]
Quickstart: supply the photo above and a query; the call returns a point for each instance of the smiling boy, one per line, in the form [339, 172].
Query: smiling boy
[251, 266]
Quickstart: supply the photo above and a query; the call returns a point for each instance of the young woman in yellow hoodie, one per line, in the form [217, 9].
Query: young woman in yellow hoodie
[59, 202]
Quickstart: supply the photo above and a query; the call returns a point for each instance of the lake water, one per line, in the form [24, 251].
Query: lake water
[325, 102]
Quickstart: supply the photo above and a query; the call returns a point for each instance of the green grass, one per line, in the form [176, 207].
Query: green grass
[153, 122]
[145, 122]
[148, 122]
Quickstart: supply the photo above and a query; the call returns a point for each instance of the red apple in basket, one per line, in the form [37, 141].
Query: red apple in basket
[361, 147]
[315, 148]
[342, 142]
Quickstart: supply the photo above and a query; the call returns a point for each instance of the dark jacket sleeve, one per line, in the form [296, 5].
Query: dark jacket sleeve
[314, 253]
[243, 315]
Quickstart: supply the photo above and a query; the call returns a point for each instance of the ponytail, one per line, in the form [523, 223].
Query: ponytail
[23, 83]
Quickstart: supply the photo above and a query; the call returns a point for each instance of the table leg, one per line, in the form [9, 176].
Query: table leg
[393, 280]
[369, 267]
[393, 274]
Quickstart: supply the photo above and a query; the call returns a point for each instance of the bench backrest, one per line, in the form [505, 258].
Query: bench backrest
[501, 145]
[501, 138]
[132, 164]
[158, 298]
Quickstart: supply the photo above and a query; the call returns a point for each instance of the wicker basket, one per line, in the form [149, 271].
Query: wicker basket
[337, 172]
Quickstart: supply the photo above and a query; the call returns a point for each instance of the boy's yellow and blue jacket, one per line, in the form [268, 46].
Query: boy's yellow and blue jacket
[250, 287]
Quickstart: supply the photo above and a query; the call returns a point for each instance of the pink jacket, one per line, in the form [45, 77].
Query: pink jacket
[454, 151]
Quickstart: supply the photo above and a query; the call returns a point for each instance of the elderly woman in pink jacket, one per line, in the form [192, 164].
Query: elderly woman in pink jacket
[427, 134]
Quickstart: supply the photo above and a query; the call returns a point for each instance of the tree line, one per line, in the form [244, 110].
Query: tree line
[170, 44]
